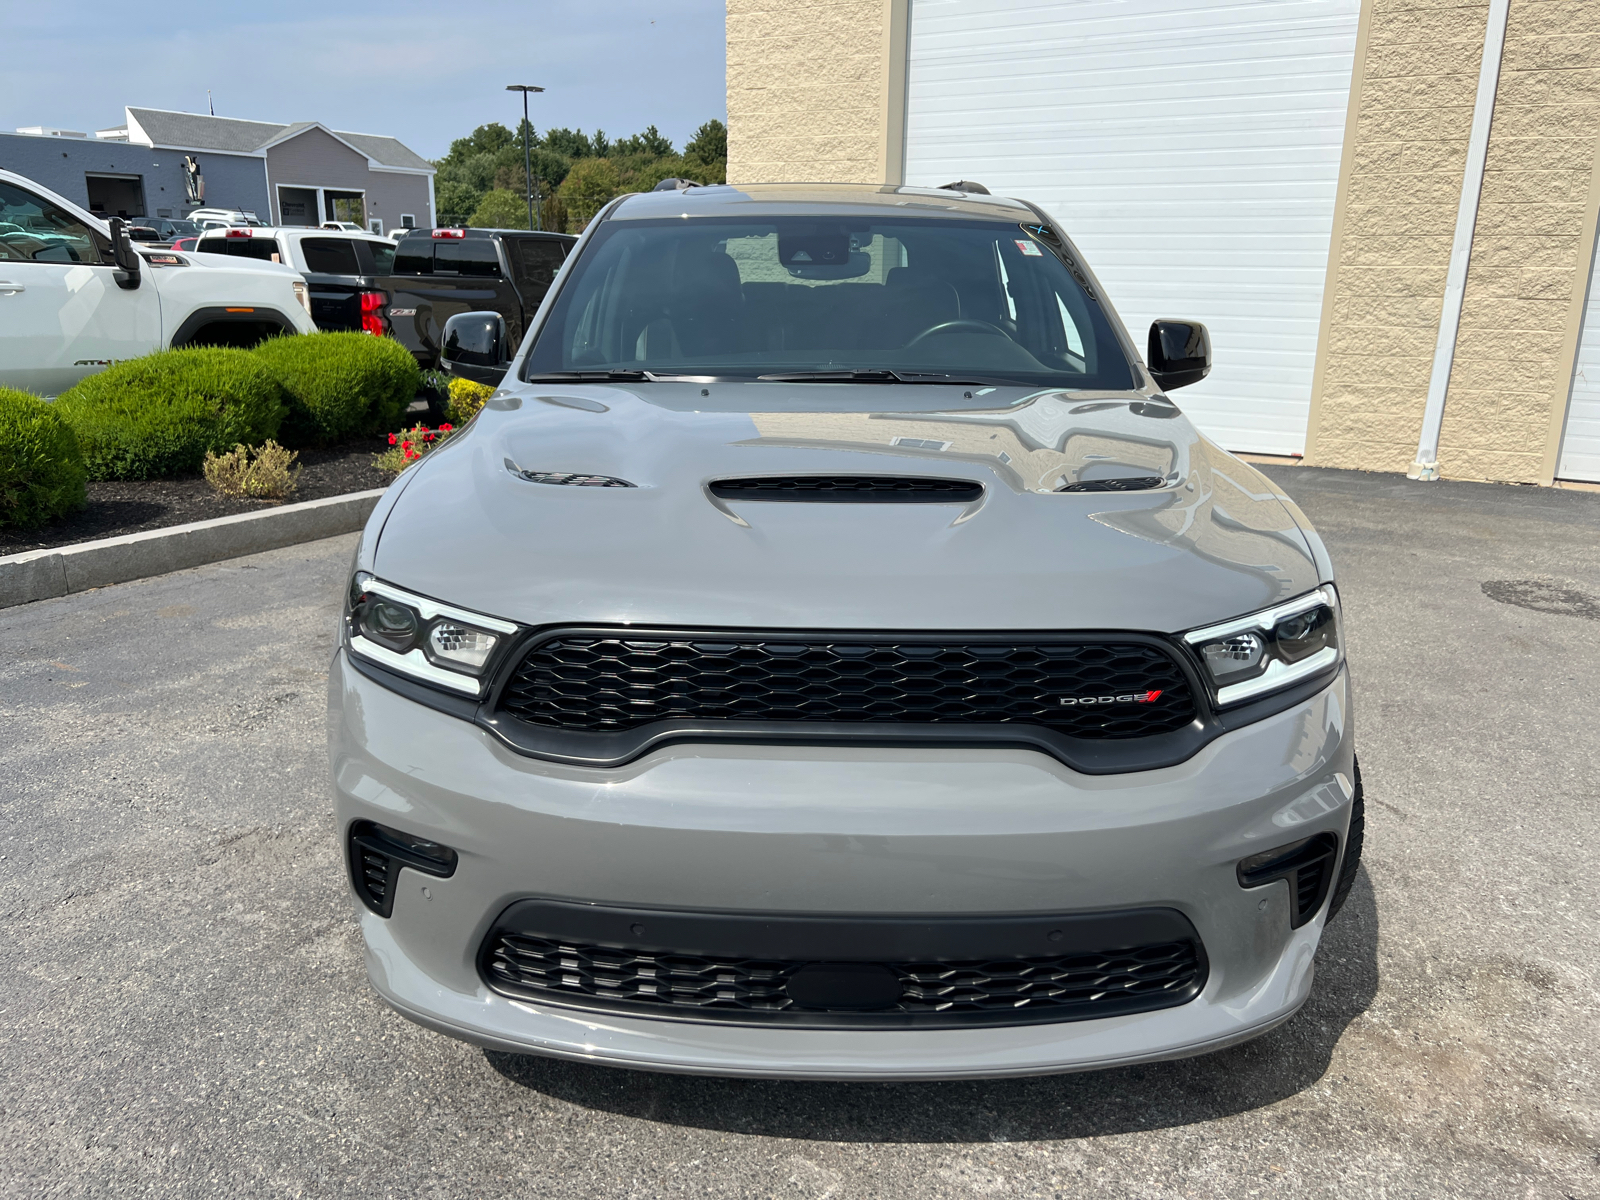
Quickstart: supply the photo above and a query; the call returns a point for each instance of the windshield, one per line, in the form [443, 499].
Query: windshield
[979, 301]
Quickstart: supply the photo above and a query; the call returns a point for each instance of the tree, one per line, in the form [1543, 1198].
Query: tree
[454, 202]
[709, 143]
[650, 143]
[568, 142]
[501, 209]
[485, 139]
[588, 186]
[553, 213]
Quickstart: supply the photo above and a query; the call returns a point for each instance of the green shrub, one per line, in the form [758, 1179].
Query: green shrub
[154, 417]
[41, 467]
[341, 384]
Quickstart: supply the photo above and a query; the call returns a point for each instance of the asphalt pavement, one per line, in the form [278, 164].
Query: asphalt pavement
[184, 1012]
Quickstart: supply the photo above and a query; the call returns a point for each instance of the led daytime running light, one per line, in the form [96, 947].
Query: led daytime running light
[1271, 649]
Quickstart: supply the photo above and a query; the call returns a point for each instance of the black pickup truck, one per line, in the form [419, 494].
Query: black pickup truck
[441, 272]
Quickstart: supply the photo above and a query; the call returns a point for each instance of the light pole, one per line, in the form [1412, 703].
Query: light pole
[527, 155]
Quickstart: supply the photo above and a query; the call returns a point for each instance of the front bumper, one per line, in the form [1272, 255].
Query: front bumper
[846, 831]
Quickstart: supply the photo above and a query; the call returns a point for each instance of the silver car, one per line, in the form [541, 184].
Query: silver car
[831, 654]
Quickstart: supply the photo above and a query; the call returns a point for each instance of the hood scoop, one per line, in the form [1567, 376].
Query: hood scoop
[848, 489]
[1134, 483]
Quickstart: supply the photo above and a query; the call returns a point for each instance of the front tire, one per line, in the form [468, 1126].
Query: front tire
[1352, 848]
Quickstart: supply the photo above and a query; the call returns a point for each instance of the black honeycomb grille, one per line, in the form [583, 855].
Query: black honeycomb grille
[596, 682]
[1072, 987]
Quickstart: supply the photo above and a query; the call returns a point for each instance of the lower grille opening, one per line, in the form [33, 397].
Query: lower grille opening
[1307, 865]
[1082, 985]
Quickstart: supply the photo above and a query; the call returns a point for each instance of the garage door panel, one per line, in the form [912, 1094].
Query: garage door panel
[1580, 442]
[1189, 147]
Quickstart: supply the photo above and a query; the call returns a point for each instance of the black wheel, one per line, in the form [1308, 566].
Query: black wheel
[1352, 849]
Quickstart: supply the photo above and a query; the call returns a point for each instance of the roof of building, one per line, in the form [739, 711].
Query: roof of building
[200, 131]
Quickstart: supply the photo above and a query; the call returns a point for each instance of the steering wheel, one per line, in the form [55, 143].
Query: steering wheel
[967, 323]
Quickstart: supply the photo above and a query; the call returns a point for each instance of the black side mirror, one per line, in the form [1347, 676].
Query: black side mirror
[474, 347]
[1180, 353]
[122, 254]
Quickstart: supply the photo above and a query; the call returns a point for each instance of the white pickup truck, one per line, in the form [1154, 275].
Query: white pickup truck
[76, 295]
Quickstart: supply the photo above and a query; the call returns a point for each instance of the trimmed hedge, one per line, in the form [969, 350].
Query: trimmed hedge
[340, 384]
[157, 416]
[41, 467]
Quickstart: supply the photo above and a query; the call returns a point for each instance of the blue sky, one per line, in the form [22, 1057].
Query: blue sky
[422, 72]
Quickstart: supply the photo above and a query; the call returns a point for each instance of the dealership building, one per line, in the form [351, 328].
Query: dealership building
[166, 164]
[1384, 210]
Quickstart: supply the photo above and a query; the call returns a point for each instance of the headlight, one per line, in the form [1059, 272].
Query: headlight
[415, 636]
[1271, 649]
[303, 295]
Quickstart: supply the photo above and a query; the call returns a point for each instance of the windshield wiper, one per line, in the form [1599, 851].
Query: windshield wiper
[878, 375]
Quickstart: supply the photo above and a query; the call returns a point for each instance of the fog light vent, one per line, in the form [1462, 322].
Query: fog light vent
[1307, 865]
[376, 855]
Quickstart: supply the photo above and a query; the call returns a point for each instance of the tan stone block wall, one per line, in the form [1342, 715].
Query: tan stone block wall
[806, 91]
[1530, 250]
[1417, 84]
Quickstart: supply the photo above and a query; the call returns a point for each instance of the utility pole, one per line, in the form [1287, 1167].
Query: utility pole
[527, 155]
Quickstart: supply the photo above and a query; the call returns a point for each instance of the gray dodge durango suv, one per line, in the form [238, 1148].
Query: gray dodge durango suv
[830, 653]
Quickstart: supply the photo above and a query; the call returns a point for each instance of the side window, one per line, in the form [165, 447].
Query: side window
[330, 256]
[34, 230]
[475, 256]
[378, 258]
[264, 249]
[414, 256]
[534, 263]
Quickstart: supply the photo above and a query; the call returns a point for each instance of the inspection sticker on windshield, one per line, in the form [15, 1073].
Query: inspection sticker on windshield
[1031, 249]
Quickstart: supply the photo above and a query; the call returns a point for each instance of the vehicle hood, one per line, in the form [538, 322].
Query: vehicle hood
[244, 266]
[1215, 542]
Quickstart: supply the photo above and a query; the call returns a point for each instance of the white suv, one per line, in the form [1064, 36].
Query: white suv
[77, 296]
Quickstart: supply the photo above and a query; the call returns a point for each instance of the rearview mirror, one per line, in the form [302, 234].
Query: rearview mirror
[1180, 353]
[474, 347]
[123, 256]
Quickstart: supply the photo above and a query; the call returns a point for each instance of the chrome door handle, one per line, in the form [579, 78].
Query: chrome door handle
[7, 288]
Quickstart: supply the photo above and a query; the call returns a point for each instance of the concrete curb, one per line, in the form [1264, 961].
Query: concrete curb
[41, 574]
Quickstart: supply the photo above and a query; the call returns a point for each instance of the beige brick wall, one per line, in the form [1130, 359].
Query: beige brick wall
[1416, 83]
[808, 90]
[1530, 250]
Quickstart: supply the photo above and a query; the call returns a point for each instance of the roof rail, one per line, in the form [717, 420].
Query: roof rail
[964, 185]
[676, 185]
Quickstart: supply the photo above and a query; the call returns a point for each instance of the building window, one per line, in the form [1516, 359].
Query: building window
[116, 195]
[345, 206]
[297, 206]
[408, 221]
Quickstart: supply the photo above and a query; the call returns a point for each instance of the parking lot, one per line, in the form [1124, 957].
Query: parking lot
[185, 1010]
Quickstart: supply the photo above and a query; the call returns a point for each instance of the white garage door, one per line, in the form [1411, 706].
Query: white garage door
[1580, 443]
[1191, 149]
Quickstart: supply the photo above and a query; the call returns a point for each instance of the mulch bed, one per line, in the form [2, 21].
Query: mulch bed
[118, 508]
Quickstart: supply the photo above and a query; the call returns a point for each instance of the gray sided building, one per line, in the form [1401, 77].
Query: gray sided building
[296, 174]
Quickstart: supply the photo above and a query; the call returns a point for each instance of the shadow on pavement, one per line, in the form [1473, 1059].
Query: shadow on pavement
[1124, 1100]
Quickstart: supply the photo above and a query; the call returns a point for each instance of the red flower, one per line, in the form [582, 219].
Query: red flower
[427, 437]
[446, 427]
[405, 445]
[391, 439]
